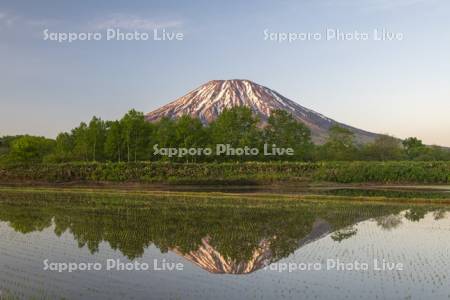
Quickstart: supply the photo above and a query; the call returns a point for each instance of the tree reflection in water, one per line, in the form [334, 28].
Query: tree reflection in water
[220, 235]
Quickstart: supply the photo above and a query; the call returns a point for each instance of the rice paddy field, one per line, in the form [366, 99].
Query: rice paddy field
[327, 243]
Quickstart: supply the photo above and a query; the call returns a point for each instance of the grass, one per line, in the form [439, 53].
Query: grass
[247, 173]
[311, 195]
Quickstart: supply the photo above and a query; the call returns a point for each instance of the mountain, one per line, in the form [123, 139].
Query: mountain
[210, 259]
[208, 101]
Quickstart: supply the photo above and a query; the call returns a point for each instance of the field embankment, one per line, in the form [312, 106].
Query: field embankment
[232, 173]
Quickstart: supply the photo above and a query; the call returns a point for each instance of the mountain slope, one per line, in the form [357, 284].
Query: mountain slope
[208, 101]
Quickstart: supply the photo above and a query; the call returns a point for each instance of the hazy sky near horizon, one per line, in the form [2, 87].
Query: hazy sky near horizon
[400, 87]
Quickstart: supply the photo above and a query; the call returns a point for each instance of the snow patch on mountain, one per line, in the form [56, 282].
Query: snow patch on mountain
[209, 100]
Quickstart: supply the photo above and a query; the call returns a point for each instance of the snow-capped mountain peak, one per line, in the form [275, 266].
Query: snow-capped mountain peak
[209, 100]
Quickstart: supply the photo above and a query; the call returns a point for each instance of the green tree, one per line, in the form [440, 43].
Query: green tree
[81, 142]
[114, 145]
[437, 153]
[237, 127]
[30, 149]
[164, 134]
[5, 143]
[190, 133]
[65, 143]
[96, 136]
[414, 148]
[384, 148]
[284, 131]
[340, 145]
[136, 134]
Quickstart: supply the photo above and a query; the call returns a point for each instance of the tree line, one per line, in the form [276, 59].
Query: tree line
[132, 139]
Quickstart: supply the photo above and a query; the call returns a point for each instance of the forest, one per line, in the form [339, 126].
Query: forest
[132, 139]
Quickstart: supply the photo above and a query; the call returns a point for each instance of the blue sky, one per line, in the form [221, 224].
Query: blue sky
[399, 87]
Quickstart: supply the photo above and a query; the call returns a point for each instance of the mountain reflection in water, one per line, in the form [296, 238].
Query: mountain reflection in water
[218, 235]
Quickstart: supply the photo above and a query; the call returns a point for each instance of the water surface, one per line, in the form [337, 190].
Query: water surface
[229, 249]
